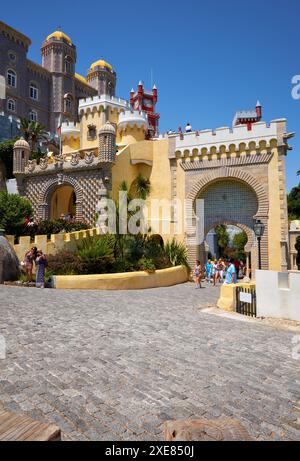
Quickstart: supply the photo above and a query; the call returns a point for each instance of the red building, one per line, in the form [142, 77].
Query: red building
[145, 101]
[248, 117]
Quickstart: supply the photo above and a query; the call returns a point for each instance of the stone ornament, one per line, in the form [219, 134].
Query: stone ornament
[31, 165]
[89, 158]
[59, 159]
[43, 163]
[75, 159]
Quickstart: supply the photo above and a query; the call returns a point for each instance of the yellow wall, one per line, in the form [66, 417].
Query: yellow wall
[62, 202]
[274, 222]
[70, 144]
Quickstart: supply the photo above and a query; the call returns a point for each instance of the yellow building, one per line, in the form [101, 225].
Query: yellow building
[198, 179]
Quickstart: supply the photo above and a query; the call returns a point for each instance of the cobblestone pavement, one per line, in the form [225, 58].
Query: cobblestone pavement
[115, 365]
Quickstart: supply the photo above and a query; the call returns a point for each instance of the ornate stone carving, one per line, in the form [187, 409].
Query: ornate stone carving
[43, 163]
[75, 159]
[89, 158]
[31, 165]
[59, 159]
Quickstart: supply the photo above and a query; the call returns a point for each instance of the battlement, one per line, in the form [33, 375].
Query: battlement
[103, 101]
[70, 129]
[225, 137]
[133, 118]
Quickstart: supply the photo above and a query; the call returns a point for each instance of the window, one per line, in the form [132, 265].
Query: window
[69, 65]
[68, 104]
[11, 105]
[11, 78]
[33, 91]
[33, 116]
[12, 56]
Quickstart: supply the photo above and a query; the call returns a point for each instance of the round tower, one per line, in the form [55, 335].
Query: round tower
[133, 126]
[102, 77]
[107, 143]
[21, 156]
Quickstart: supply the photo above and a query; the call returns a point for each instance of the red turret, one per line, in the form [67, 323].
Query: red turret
[145, 101]
[258, 109]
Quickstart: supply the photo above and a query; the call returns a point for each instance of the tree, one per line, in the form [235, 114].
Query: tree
[33, 132]
[239, 242]
[222, 238]
[6, 156]
[293, 201]
[142, 187]
[13, 211]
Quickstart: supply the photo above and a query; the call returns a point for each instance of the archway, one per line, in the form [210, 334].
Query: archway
[228, 201]
[46, 195]
[63, 202]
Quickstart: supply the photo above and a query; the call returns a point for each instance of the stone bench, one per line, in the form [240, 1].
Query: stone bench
[14, 427]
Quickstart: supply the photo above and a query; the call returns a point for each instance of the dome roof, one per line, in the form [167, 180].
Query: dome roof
[107, 128]
[58, 34]
[101, 63]
[21, 144]
[80, 77]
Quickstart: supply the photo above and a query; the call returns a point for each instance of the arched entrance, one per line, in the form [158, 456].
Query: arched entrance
[61, 194]
[229, 202]
[63, 202]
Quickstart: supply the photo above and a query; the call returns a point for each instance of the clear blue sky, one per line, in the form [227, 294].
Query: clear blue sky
[210, 58]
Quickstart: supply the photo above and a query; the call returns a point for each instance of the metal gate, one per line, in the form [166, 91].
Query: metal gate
[246, 301]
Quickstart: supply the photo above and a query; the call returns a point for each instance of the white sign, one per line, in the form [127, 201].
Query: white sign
[246, 297]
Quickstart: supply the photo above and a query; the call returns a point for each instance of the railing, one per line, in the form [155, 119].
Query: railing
[246, 301]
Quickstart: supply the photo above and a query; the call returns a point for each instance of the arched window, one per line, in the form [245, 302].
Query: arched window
[11, 105]
[68, 103]
[69, 65]
[33, 91]
[33, 116]
[11, 78]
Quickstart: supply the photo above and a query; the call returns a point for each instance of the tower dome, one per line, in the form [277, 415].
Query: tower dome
[59, 35]
[20, 156]
[101, 63]
[108, 128]
[107, 143]
[21, 144]
[102, 77]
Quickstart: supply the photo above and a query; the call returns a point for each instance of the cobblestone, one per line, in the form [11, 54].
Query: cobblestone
[116, 365]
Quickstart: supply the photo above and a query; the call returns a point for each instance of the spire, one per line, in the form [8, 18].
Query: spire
[258, 104]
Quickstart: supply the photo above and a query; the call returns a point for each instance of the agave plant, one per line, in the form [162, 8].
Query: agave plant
[96, 252]
[177, 253]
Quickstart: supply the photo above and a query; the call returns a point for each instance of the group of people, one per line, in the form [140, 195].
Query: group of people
[218, 270]
[37, 257]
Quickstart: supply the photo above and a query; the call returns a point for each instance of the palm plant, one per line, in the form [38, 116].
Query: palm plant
[34, 132]
[177, 253]
[142, 186]
[96, 252]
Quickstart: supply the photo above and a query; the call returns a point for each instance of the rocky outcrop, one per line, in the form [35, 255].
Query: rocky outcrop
[9, 263]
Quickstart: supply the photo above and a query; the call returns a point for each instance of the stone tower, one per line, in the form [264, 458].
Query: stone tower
[102, 77]
[107, 143]
[21, 156]
[59, 57]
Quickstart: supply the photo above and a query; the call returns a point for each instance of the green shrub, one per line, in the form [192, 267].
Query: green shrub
[13, 211]
[96, 253]
[65, 263]
[48, 227]
[146, 265]
[122, 265]
[177, 253]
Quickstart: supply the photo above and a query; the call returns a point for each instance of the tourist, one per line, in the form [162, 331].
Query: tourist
[230, 274]
[41, 264]
[221, 267]
[214, 271]
[198, 273]
[188, 128]
[28, 264]
[208, 271]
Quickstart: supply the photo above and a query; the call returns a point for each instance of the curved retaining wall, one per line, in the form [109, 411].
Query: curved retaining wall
[123, 281]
